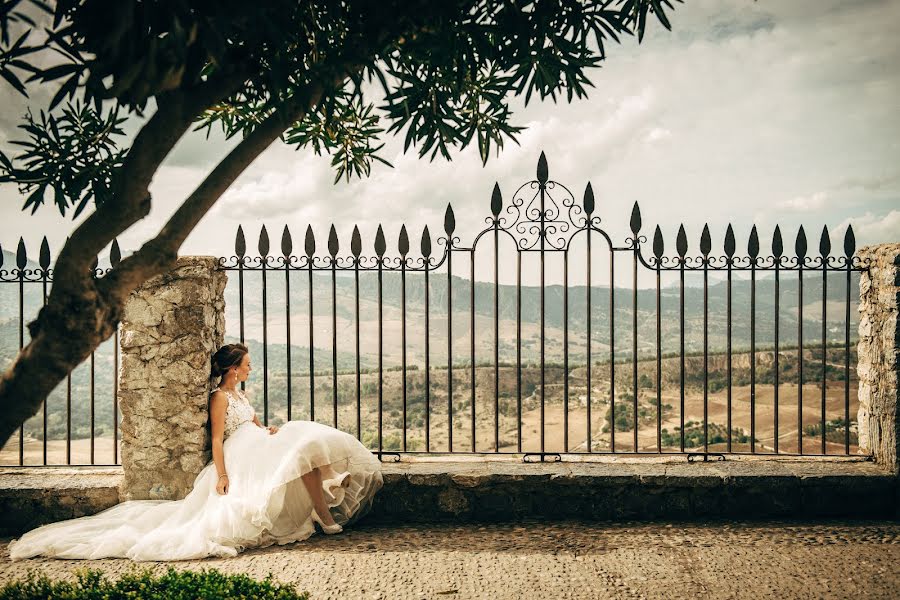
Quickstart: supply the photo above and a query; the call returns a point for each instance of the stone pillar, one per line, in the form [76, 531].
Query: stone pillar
[171, 327]
[879, 346]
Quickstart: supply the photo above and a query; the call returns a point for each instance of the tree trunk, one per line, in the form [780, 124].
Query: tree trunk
[82, 312]
[63, 335]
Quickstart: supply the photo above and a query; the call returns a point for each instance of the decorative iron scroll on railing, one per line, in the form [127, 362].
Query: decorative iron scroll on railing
[543, 217]
[43, 275]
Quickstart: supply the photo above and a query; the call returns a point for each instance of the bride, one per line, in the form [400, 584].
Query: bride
[264, 486]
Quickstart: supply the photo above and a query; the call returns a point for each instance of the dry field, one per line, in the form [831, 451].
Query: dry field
[553, 429]
[554, 414]
[56, 452]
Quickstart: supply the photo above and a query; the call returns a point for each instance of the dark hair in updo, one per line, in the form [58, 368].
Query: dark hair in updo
[226, 357]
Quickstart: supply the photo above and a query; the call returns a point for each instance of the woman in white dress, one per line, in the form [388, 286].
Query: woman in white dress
[263, 486]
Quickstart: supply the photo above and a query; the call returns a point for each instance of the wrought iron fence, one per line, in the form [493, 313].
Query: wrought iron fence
[32, 283]
[542, 219]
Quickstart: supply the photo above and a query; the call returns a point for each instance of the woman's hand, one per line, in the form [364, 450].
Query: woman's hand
[272, 429]
[222, 485]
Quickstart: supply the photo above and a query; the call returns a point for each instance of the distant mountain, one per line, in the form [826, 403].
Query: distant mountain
[601, 316]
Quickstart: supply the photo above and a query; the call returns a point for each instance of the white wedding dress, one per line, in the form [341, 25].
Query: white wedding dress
[267, 502]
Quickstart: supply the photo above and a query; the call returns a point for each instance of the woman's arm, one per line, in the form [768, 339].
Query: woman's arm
[270, 428]
[217, 405]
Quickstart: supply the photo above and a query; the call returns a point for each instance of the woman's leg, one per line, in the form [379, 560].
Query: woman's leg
[313, 483]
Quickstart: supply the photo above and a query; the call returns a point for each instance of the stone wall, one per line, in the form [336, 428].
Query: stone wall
[742, 487]
[879, 346]
[171, 327]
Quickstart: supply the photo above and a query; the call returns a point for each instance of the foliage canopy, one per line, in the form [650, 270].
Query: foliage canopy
[441, 71]
[333, 76]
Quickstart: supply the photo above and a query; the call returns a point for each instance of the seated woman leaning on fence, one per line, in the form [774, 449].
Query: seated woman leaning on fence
[263, 486]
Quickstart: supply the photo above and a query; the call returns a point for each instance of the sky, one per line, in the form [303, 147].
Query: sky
[765, 113]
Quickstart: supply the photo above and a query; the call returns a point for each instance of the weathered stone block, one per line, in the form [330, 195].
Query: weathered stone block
[171, 326]
[879, 344]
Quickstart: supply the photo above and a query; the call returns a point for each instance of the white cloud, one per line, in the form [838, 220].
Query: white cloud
[871, 228]
[658, 133]
[812, 202]
[275, 193]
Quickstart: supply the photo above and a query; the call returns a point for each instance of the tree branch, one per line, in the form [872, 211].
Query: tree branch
[160, 252]
[175, 113]
[78, 316]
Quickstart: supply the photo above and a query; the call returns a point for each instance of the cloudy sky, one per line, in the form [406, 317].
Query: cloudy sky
[747, 112]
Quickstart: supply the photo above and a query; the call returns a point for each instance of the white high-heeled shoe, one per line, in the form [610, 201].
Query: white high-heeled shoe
[327, 529]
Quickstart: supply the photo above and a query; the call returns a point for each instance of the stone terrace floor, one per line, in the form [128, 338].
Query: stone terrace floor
[566, 559]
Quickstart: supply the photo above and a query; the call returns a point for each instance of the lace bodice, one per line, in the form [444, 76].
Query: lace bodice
[238, 411]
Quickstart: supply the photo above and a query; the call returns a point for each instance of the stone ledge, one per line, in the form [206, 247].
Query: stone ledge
[494, 490]
[32, 496]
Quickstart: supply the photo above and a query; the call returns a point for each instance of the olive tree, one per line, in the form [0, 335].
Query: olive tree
[333, 76]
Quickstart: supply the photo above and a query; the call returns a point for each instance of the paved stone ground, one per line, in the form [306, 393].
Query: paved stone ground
[721, 559]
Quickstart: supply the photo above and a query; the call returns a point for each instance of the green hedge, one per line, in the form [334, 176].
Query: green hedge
[144, 584]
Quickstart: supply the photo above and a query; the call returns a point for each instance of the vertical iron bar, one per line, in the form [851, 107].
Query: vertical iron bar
[116, 396]
[69, 419]
[824, 343]
[44, 302]
[658, 361]
[427, 363]
[681, 341]
[380, 356]
[472, 339]
[241, 296]
[543, 323]
[334, 375]
[496, 337]
[241, 303]
[403, 339]
[634, 344]
[312, 366]
[706, 354]
[566, 349]
[753, 355]
[777, 319]
[92, 408]
[847, 364]
[612, 350]
[800, 357]
[449, 346]
[265, 344]
[728, 334]
[21, 345]
[287, 322]
[358, 387]
[519, 348]
[588, 342]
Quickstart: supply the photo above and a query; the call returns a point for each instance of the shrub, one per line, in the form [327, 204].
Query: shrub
[173, 584]
[624, 418]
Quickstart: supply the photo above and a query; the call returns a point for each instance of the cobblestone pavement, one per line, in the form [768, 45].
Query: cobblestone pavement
[721, 559]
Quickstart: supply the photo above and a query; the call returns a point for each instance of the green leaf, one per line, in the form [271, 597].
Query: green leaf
[81, 205]
[13, 81]
[56, 72]
[35, 199]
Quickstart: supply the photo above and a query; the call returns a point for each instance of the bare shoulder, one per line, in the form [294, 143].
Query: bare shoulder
[217, 399]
